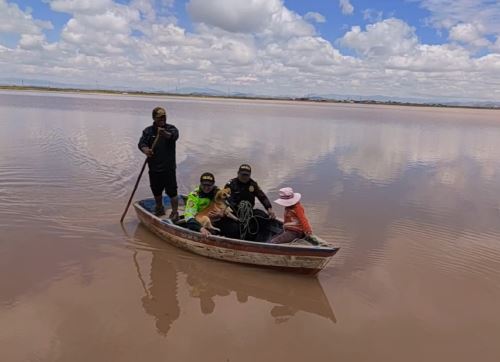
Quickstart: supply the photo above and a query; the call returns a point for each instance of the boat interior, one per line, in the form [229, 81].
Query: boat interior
[254, 231]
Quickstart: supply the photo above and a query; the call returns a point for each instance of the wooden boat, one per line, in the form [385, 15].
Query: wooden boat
[298, 256]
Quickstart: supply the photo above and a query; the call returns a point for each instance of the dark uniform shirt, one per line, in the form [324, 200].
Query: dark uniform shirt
[246, 191]
[163, 158]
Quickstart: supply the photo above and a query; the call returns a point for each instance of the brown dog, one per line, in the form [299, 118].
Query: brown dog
[217, 206]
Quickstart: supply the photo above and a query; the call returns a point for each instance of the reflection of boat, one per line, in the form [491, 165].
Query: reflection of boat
[297, 256]
[173, 270]
[289, 295]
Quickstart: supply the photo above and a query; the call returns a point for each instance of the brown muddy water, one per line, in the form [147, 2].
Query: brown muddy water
[411, 195]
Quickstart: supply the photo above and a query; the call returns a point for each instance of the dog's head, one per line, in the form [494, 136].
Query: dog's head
[222, 194]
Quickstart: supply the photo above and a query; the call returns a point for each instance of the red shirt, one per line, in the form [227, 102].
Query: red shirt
[296, 220]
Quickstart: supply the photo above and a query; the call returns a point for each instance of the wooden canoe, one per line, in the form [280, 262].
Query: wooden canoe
[298, 256]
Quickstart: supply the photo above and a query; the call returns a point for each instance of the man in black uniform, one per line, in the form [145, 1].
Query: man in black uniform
[161, 160]
[244, 188]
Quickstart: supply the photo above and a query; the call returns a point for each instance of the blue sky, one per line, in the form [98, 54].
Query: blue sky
[415, 48]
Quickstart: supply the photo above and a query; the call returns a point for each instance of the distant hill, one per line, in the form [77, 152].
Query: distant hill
[212, 92]
[198, 91]
[392, 99]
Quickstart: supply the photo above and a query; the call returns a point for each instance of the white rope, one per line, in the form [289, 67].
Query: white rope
[245, 214]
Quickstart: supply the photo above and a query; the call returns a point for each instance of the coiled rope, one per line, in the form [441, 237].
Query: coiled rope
[248, 222]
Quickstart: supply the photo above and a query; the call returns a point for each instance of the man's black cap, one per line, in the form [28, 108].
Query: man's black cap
[207, 178]
[245, 169]
[159, 112]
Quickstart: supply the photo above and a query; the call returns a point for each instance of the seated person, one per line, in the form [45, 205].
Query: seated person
[296, 225]
[199, 200]
[244, 188]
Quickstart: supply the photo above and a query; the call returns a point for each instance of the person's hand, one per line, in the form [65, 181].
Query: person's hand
[147, 151]
[271, 214]
[204, 231]
[214, 214]
[312, 239]
[164, 133]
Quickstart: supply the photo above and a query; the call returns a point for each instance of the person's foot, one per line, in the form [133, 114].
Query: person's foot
[174, 216]
[159, 211]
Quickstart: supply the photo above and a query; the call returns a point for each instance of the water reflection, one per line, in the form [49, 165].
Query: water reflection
[160, 299]
[409, 194]
[206, 280]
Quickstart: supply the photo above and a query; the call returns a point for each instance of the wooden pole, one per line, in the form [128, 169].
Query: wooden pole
[139, 178]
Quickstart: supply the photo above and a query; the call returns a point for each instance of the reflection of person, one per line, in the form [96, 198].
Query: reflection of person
[205, 292]
[161, 298]
[198, 200]
[161, 160]
[296, 224]
[244, 188]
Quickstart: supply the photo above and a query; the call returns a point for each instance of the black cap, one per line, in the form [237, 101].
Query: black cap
[207, 177]
[245, 168]
[159, 112]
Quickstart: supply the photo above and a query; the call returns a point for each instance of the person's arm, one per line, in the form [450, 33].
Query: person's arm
[144, 144]
[173, 132]
[191, 208]
[299, 210]
[190, 211]
[264, 200]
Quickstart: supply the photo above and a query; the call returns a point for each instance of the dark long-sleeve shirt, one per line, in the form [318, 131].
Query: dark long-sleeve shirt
[163, 158]
[246, 191]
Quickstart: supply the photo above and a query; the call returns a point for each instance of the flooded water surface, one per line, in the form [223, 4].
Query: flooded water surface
[410, 195]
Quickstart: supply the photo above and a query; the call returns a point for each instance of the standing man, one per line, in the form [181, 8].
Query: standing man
[161, 160]
[244, 188]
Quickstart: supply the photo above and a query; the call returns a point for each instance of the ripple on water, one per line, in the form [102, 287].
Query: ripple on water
[468, 254]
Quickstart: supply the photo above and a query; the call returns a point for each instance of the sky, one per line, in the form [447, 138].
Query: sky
[431, 49]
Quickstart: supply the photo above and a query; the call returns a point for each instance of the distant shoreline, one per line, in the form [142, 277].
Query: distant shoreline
[201, 95]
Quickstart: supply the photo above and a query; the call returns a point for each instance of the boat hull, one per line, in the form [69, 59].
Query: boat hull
[296, 258]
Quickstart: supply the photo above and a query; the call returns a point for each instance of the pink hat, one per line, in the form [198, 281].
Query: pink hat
[288, 197]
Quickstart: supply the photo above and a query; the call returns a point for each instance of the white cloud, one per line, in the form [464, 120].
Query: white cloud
[286, 24]
[14, 20]
[235, 15]
[388, 37]
[470, 34]
[313, 16]
[490, 62]
[265, 17]
[346, 7]
[448, 13]
[80, 6]
[32, 41]
[433, 58]
[106, 32]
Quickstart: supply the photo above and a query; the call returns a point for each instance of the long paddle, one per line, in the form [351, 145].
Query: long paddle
[139, 178]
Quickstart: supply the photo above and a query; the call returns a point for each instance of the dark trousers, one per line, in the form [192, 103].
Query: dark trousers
[286, 236]
[164, 180]
[258, 229]
[228, 227]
